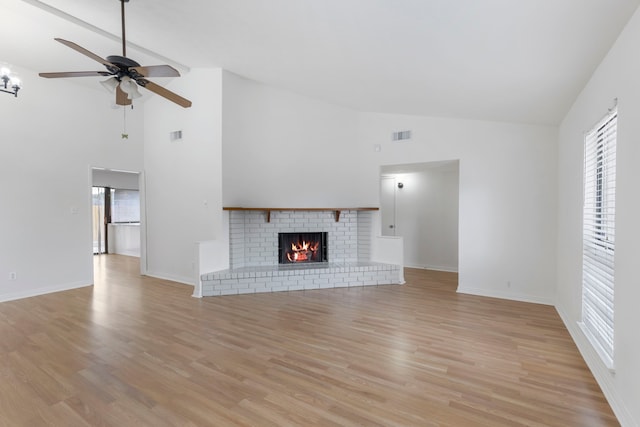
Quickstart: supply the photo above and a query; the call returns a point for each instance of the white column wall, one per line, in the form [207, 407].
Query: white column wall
[183, 178]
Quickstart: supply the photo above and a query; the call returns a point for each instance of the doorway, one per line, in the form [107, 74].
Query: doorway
[419, 202]
[117, 212]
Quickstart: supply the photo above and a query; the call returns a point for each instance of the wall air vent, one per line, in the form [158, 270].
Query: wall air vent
[403, 135]
[175, 136]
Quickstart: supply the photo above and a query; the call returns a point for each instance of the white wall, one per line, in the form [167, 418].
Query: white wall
[183, 178]
[616, 77]
[507, 195]
[427, 215]
[115, 179]
[272, 138]
[51, 135]
[285, 150]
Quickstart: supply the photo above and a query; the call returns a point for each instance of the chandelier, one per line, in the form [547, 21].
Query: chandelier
[9, 84]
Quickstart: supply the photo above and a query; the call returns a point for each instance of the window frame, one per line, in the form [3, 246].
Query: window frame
[598, 260]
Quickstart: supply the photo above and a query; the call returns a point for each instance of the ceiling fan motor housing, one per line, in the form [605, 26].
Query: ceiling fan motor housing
[123, 65]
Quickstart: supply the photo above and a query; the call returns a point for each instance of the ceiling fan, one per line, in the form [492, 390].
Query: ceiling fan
[124, 73]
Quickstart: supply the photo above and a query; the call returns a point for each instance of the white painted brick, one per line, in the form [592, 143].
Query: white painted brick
[258, 285]
[348, 239]
[327, 285]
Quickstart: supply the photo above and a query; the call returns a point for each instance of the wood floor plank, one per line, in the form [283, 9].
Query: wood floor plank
[134, 350]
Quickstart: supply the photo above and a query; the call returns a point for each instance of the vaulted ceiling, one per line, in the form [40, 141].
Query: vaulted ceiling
[506, 60]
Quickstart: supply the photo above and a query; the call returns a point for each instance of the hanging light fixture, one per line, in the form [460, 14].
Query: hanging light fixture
[110, 84]
[129, 86]
[9, 84]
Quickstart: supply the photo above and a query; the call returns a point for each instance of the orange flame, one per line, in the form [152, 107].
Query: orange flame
[302, 252]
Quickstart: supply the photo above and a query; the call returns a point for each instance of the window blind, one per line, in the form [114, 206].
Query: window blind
[125, 205]
[599, 235]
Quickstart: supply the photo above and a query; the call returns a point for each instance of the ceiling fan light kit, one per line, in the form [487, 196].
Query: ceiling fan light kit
[110, 84]
[129, 87]
[125, 73]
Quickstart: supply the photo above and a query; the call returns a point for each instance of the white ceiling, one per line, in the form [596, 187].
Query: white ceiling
[506, 60]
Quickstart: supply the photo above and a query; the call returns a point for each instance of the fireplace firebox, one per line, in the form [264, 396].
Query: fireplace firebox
[295, 248]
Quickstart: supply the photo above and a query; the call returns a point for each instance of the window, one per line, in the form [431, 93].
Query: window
[599, 236]
[125, 206]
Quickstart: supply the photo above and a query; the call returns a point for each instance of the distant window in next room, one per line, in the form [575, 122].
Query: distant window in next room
[125, 206]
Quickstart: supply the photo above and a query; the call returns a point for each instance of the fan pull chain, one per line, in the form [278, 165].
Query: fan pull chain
[124, 135]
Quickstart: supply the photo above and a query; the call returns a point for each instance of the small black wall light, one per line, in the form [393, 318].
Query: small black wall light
[400, 185]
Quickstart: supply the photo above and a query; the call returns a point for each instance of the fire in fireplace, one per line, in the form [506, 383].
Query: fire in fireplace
[296, 248]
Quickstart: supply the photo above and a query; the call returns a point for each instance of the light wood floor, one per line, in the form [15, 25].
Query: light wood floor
[137, 351]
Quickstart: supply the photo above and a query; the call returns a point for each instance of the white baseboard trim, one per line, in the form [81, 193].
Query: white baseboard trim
[433, 267]
[171, 278]
[12, 296]
[505, 295]
[598, 368]
[135, 254]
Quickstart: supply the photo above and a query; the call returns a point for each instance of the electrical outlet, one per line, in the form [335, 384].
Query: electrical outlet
[13, 275]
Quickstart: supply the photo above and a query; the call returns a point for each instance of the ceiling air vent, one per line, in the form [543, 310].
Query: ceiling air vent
[403, 135]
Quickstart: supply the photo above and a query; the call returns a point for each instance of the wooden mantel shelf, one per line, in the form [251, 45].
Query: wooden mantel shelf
[269, 210]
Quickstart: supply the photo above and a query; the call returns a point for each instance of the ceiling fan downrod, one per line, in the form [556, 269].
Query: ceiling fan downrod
[124, 42]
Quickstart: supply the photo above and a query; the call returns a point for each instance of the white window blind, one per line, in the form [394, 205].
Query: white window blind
[599, 236]
[125, 205]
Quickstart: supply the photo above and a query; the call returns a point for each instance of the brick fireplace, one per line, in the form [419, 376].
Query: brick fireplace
[254, 253]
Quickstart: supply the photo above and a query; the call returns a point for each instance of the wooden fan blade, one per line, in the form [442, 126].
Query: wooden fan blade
[85, 52]
[74, 74]
[157, 71]
[159, 90]
[121, 97]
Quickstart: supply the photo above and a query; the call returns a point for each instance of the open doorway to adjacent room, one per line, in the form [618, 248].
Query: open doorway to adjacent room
[420, 203]
[117, 213]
